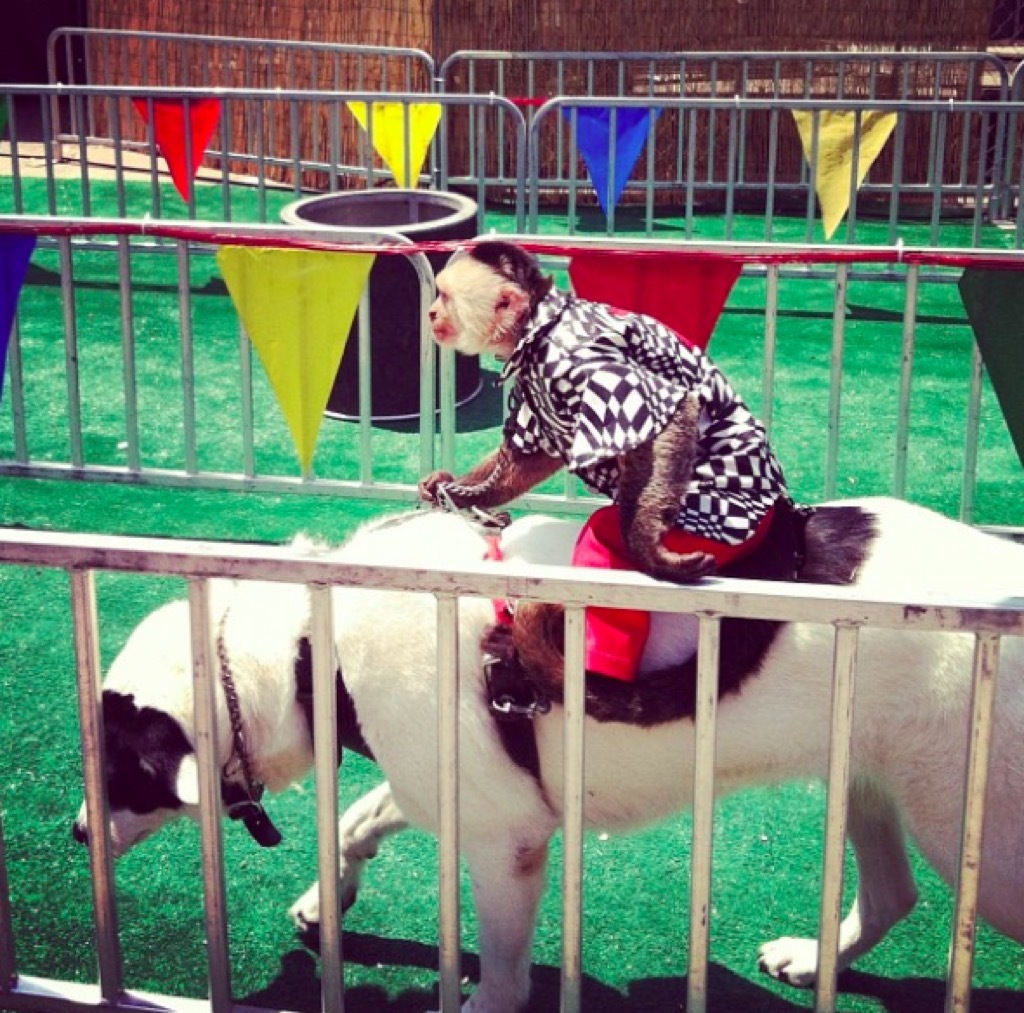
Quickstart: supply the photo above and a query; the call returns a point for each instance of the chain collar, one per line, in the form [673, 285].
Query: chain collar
[241, 799]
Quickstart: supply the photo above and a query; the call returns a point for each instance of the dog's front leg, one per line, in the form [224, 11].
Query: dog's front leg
[361, 829]
[886, 891]
[508, 877]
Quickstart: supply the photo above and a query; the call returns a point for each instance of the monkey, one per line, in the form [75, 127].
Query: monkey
[638, 413]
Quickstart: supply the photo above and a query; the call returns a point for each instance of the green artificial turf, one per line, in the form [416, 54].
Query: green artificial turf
[767, 842]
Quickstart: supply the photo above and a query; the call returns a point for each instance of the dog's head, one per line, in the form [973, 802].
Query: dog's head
[151, 774]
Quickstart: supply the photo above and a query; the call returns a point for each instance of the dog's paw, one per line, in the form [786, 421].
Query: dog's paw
[790, 960]
[305, 912]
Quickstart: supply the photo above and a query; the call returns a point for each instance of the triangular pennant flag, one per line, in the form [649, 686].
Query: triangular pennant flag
[15, 254]
[836, 134]
[385, 122]
[994, 301]
[170, 131]
[297, 307]
[593, 136]
[684, 291]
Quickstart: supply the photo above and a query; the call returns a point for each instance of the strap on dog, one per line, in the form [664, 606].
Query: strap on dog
[514, 701]
[242, 802]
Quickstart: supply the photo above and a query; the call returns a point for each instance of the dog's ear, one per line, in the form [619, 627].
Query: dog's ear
[186, 786]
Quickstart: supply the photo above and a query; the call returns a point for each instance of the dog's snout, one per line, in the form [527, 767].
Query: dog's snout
[80, 833]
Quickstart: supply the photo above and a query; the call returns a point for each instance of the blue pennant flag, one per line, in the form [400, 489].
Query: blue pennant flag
[15, 254]
[593, 138]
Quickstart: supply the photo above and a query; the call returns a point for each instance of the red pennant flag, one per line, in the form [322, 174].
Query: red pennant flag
[684, 291]
[170, 129]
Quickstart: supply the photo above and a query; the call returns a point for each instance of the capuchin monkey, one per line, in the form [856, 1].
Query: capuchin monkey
[622, 401]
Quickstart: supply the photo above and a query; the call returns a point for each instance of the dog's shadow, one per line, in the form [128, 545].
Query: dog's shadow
[297, 986]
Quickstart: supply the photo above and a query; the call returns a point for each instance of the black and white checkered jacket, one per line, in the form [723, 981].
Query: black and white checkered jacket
[591, 383]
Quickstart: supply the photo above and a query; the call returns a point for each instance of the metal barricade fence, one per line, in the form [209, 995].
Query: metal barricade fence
[847, 612]
[104, 57]
[699, 154]
[268, 146]
[535, 77]
[738, 164]
[177, 445]
[90, 415]
[862, 78]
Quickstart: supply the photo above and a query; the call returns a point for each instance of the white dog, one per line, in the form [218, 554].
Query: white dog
[908, 753]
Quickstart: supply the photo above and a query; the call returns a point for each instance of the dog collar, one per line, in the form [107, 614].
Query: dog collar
[242, 801]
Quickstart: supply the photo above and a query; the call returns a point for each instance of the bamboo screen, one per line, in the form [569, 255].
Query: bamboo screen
[444, 26]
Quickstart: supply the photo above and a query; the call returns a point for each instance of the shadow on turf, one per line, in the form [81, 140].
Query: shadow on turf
[297, 987]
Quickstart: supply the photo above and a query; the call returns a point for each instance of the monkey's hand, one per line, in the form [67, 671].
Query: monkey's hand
[430, 485]
[496, 480]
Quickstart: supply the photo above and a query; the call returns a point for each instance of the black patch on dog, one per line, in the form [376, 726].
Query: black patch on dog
[144, 749]
[350, 735]
[827, 546]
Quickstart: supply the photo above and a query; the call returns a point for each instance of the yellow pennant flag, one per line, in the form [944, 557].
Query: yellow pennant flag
[297, 307]
[836, 133]
[387, 123]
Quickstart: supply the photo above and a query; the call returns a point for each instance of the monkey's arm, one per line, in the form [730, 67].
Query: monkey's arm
[496, 480]
[653, 478]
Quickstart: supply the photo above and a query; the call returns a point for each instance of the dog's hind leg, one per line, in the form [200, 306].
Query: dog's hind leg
[361, 829]
[508, 877]
[886, 891]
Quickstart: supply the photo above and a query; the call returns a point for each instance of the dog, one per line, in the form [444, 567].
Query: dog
[908, 749]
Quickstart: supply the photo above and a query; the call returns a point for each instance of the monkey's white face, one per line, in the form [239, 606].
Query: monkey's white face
[476, 310]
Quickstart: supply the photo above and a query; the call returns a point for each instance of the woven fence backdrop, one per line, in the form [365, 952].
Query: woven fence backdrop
[441, 27]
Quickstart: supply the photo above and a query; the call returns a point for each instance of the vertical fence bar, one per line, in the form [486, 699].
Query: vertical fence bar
[8, 958]
[574, 705]
[325, 737]
[773, 161]
[247, 413]
[961, 961]
[17, 393]
[101, 855]
[67, 288]
[771, 327]
[708, 649]
[131, 393]
[969, 479]
[851, 214]
[448, 800]
[365, 338]
[844, 668]
[188, 365]
[899, 480]
[204, 650]
[836, 380]
[899, 145]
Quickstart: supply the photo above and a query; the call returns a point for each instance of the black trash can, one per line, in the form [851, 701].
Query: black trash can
[394, 294]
